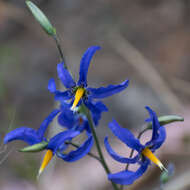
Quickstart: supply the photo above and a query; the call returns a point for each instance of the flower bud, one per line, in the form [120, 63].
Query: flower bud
[35, 148]
[41, 18]
[166, 119]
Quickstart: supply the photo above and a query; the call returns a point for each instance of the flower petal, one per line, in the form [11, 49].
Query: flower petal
[84, 64]
[157, 143]
[67, 119]
[103, 92]
[42, 129]
[96, 109]
[65, 76]
[125, 136]
[59, 96]
[25, 134]
[117, 157]
[128, 177]
[62, 96]
[83, 126]
[58, 140]
[52, 85]
[79, 152]
[155, 124]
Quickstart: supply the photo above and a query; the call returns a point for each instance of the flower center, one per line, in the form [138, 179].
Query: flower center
[48, 156]
[78, 95]
[148, 153]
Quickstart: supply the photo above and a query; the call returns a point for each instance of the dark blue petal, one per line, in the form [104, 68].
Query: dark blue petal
[128, 177]
[157, 143]
[125, 136]
[79, 152]
[67, 119]
[84, 126]
[52, 85]
[148, 120]
[66, 105]
[59, 96]
[103, 92]
[25, 134]
[72, 120]
[42, 129]
[63, 146]
[84, 64]
[117, 157]
[96, 109]
[59, 139]
[62, 96]
[155, 124]
[65, 76]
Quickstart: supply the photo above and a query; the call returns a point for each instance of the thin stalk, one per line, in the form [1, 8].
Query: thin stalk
[132, 151]
[89, 154]
[103, 162]
[59, 49]
[142, 132]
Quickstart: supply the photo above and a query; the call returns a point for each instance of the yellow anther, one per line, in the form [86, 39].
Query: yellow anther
[78, 96]
[148, 153]
[48, 156]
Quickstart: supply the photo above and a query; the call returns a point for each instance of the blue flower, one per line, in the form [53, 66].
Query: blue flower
[144, 152]
[70, 119]
[60, 142]
[56, 145]
[80, 90]
[29, 135]
[74, 155]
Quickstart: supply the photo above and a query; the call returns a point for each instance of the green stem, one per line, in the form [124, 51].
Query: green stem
[103, 162]
[132, 151]
[60, 50]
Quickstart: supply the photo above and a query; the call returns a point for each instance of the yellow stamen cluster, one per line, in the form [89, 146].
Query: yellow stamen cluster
[48, 156]
[78, 95]
[148, 153]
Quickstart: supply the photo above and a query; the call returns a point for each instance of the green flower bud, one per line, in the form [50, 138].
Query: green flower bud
[35, 148]
[167, 119]
[41, 18]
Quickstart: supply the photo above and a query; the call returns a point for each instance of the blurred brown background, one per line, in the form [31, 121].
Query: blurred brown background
[145, 41]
